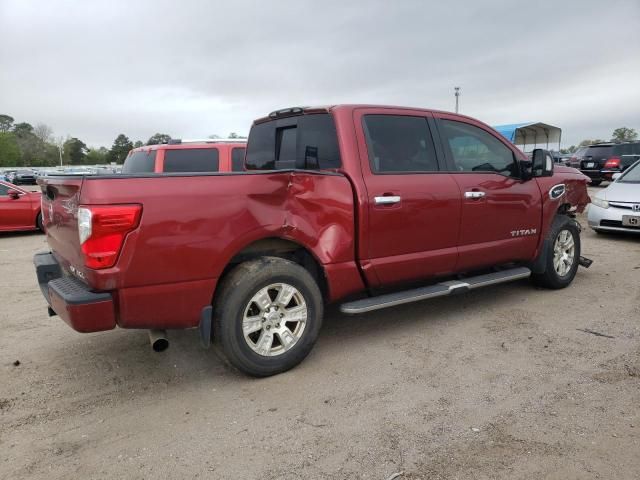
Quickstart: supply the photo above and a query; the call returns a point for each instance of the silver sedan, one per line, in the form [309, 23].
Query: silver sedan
[617, 207]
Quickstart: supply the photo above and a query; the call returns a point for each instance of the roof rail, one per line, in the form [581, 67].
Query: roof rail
[178, 141]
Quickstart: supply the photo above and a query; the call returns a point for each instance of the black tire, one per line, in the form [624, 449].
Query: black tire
[550, 278]
[39, 223]
[234, 297]
[595, 183]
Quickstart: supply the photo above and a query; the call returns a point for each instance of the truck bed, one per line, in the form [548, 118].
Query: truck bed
[191, 227]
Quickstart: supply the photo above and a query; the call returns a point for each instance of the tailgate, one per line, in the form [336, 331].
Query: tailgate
[60, 199]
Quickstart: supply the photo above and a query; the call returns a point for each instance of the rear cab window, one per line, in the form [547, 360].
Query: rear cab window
[191, 160]
[306, 142]
[140, 162]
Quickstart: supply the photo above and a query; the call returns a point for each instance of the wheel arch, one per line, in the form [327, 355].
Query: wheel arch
[275, 246]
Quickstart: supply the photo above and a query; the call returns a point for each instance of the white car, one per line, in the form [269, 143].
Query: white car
[617, 207]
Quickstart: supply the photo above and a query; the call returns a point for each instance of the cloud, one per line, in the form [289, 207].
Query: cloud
[188, 68]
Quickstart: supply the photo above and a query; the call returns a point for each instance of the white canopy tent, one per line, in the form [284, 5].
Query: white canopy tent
[530, 135]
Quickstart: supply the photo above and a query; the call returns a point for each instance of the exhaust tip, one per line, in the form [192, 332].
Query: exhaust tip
[160, 345]
[158, 339]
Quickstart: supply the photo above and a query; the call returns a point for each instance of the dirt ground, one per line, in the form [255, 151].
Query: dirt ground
[497, 383]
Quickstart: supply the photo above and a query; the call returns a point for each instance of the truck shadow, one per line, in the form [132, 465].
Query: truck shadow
[21, 233]
[122, 360]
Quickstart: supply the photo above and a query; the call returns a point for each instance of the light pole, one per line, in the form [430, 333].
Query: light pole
[457, 94]
[60, 152]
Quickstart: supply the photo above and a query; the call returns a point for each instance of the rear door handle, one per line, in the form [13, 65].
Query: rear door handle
[387, 200]
[474, 194]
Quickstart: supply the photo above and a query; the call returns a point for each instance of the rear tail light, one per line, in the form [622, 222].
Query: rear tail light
[613, 162]
[102, 230]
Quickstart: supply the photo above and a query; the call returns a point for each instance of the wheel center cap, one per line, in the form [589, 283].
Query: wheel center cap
[272, 316]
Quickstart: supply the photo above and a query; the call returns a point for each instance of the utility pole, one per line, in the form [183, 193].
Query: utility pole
[457, 94]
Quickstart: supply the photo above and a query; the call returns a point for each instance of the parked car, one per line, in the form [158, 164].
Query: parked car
[617, 207]
[210, 155]
[19, 209]
[599, 162]
[24, 177]
[338, 202]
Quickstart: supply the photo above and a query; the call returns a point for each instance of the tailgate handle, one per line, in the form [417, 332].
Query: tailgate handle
[387, 200]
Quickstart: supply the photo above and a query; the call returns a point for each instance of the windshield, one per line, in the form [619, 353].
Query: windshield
[632, 175]
[604, 151]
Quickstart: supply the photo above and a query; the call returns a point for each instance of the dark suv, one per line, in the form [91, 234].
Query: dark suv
[599, 162]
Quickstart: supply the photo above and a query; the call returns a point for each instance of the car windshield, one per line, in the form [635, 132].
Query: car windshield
[632, 175]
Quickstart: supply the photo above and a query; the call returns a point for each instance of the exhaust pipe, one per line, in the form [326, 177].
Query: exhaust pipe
[158, 339]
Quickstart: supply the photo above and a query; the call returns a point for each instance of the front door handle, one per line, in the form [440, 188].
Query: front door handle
[387, 200]
[474, 194]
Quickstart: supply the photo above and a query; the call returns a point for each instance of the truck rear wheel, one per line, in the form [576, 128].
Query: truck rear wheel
[562, 254]
[268, 314]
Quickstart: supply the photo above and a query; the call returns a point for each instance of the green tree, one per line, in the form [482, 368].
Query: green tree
[138, 144]
[75, 151]
[624, 134]
[21, 129]
[120, 148]
[9, 150]
[97, 156]
[158, 138]
[586, 142]
[6, 122]
[235, 135]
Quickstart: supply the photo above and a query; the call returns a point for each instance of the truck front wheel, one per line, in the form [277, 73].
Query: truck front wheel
[562, 254]
[268, 314]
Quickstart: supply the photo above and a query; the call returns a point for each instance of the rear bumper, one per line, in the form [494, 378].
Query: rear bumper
[82, 309]
[594, 174]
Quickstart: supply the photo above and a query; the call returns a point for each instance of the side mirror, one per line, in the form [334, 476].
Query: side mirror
[13, 194]
[616, 176]
[542, 163]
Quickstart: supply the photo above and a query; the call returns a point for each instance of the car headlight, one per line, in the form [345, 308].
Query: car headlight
[600, 202]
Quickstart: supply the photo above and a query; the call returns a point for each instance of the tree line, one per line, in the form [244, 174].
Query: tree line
[619, 135]
[25, 145]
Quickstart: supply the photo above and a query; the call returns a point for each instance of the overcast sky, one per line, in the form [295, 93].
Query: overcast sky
[190, 69]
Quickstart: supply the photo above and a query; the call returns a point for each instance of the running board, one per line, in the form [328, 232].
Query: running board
[438, 290]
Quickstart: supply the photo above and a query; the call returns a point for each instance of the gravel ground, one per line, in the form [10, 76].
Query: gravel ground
[497, 383]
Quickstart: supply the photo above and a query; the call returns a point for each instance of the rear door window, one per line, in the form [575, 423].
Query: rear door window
[237, 159]
[191, 160]
[398, 143]
[140, 162]
[305, 142]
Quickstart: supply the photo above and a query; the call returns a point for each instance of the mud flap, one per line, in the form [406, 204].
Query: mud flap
[585, 262]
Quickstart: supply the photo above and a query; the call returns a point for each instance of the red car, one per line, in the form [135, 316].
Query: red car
[351, 203]
[187, 156]
[19, 209]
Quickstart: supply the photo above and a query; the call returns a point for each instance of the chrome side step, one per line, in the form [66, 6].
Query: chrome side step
[438, 290]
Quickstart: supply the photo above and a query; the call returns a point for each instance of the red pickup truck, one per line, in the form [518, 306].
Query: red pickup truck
[370, 206]
[209, 155]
